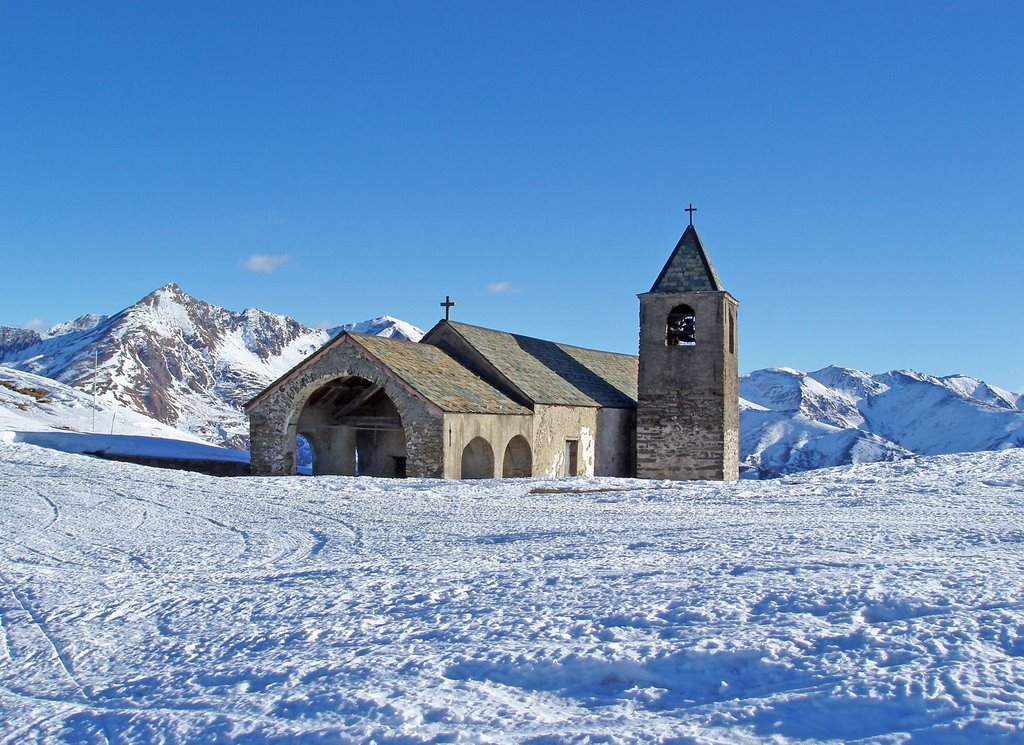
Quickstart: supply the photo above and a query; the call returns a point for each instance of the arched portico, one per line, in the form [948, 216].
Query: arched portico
[478, 459]
[357, 416]
[353, 428]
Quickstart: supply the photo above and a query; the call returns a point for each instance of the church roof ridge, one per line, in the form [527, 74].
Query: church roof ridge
[688, 269]
[537, 338]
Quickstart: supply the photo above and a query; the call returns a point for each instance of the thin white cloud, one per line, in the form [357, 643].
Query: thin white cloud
[265, 263]
[503, 286]
[36, 324]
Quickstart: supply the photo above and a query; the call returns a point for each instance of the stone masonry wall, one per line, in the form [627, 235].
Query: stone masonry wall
[688, 408]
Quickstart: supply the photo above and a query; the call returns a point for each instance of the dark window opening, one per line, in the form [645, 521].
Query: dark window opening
[682, 327]
[732, 335]
[572, 457]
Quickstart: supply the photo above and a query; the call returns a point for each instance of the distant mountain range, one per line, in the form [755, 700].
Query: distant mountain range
[794, 421]
[178, 359]
[191, 365]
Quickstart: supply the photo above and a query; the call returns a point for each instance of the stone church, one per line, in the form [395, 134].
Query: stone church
[468, 402]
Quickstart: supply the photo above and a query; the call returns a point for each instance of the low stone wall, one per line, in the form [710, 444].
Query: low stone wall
[209, 467]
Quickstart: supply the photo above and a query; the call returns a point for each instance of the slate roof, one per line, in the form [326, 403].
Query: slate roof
[438, 377]
[556, 374]
[688, 269]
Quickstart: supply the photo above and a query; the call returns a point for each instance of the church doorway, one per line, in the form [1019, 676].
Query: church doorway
[518, 461]
[478, 460]
[353, 429]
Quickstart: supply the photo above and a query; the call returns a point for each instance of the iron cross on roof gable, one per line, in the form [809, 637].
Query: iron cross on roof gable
[448, 304]
[691, 209]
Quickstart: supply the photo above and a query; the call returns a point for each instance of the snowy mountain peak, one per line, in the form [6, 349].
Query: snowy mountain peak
[979, 390]
[13, 337]
[387, 326]
[170, 292]
[82, 323]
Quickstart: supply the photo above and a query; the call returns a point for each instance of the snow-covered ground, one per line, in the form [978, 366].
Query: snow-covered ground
[126, 446]
[873, 603]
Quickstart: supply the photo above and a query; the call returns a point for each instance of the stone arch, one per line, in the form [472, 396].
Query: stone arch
[478, 460]
[518, 460]
[353, 428]
[681, 327]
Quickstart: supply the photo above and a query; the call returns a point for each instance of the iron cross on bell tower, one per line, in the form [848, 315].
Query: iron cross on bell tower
[691, 209]
[448, 304]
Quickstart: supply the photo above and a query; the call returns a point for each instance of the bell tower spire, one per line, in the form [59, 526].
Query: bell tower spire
[688, 390]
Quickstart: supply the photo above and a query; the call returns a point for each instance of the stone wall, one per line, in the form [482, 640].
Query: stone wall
[198, 465]
[688, 413]
[552, 426]
[273, 419]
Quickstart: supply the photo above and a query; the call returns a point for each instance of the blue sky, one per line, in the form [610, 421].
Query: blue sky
[858, 167]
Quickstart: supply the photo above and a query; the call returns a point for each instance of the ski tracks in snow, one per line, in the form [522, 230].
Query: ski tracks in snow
[31, 618]
[24, 615]
[877, 603]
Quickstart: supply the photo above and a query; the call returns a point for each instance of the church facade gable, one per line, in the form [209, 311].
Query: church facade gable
[337, 400]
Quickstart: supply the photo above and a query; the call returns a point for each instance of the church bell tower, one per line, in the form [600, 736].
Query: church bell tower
[688, 409]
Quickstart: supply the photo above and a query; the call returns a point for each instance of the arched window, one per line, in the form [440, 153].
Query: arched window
[682, 327]
[478, 460]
